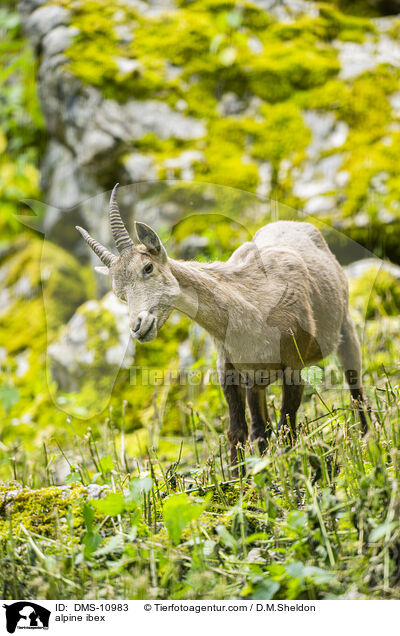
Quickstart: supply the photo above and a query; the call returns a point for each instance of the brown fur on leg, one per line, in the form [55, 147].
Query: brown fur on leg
[292, 393]
[260, 422]
[237, 432]
[350, 358]
[357, 396]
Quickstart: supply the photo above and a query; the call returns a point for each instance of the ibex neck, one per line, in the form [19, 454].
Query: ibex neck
[207, 296]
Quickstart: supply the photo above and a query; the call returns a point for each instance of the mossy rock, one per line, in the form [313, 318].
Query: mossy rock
[22, 134]
[53, 512]
[40, 511]
[38, 270]
[382, 336]
[377, 292]
[375, 303]
[41, 285]
[87, 354]
[370, 8]
[276, 71]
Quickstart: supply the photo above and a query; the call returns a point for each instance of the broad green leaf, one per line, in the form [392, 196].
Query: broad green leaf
[114, 544]
[300, 571]
[319, 576]
[312, 375]
[295, 570]
[107, 464]
[258, 464]
[73, 478]
[297, 519]
[380, 531]
[112, 505]
[226, 538]
[88, 516]
[91, 541]
[265, 590]
[178, 512]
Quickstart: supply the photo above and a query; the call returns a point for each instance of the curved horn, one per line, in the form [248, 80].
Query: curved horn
[119, 231]
[104, 255]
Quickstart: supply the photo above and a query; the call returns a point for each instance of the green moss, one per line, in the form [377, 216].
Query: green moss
[279, 132]
[344, 27]
[358, 8]
[209, 46]
[49, 269]
[45, 285]
[282, 134]
[91, 383]
[383, 299]
[96, 45]
[40, 511]
[382, 337]
[281, 71]
[162, 147]
[369, 155]
[226, 166]
[213, 53]
[22, 135]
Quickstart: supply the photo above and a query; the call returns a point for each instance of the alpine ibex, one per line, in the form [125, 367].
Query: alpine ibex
[278, 304]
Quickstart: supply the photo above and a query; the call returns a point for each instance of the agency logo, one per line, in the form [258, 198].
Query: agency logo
[26, 615]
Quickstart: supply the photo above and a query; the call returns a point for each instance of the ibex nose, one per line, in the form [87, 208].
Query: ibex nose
[144, 323]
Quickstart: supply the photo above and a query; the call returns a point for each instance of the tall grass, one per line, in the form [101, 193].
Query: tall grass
[319, 519]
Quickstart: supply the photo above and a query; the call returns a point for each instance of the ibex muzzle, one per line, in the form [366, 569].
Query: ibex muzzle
[141, 274]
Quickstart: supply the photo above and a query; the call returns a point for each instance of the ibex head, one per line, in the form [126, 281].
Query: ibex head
[141, 275]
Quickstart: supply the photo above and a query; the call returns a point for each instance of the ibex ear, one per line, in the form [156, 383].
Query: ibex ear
[150, 239]
[102, 270]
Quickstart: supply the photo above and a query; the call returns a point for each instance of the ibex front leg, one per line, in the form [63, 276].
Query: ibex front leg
[237, 432]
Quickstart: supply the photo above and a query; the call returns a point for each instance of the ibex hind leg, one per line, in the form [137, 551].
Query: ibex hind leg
[260, 422]
[349, 353]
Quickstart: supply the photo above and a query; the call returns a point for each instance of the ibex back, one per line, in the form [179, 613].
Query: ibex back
[278, 304]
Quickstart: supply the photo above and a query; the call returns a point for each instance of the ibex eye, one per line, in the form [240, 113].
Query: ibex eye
[147, 269]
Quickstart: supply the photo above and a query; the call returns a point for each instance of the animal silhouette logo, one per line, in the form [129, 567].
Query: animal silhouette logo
[26, 615]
